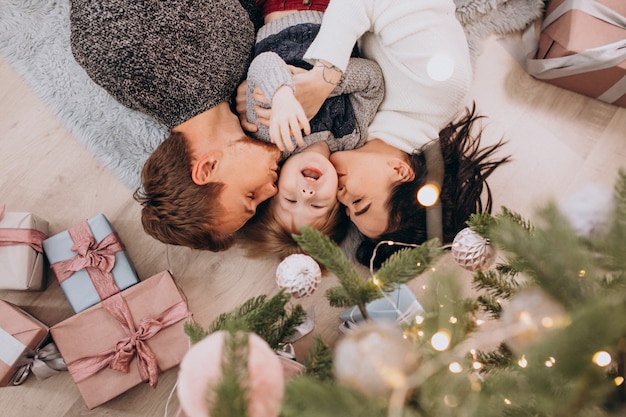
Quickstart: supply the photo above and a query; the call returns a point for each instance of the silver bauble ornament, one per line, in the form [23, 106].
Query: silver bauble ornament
[472, 251]
[375, 358]
[299, 275]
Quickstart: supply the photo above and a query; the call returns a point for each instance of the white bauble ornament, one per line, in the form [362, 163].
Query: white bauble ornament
[472, 251]
[530, 314]
[201, 370]
[299, 275]
[590, 210]
[375, 358]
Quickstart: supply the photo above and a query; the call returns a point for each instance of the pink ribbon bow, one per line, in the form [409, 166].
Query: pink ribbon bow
[13, 236]
[98, 259]
[134, 345]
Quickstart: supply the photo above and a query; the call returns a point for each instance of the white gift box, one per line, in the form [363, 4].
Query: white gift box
[22, 266]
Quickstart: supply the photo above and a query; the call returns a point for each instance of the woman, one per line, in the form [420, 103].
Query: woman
[387, 208]
[422, 51]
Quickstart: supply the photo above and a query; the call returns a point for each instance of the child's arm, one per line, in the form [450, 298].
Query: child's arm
[270, 73]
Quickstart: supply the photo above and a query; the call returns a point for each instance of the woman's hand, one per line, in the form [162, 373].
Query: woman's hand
[287, 120]
[314, 86]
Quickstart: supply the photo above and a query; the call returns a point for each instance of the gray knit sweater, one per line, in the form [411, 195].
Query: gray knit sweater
[169, 59]
[343, 119]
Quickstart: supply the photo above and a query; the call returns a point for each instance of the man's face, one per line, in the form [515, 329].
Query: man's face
[249, 173]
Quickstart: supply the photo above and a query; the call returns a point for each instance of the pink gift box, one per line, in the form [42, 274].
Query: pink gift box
[20, 333]
[91, 340]
[21, 257]
[577, 32]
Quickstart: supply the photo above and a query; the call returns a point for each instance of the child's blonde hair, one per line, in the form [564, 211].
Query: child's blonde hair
[265, 235]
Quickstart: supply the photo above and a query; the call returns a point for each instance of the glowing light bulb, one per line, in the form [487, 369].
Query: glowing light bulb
[507, 401]
[453, 320]
[523, 363]
[602, 358]
[428, 195]
[455, 368]
[618, 380]
[440, 67]
[440, 340]
[419, 319]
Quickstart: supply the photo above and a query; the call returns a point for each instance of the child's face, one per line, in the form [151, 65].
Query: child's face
[307, 190]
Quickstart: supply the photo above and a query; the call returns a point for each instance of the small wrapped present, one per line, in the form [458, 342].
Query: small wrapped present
[87, 253]
[21, 254]
[126, 339]
[397, 306]
[582, 48]
[25, 347]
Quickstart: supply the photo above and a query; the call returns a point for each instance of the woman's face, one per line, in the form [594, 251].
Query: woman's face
[365, 183]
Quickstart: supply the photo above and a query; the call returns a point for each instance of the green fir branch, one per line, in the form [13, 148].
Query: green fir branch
[499, 359]
[490, 305]
[516, 218]
[554, 250]
[228, 398]
[195, 332]
[481, 223]
[319, 362]
[499, 283]
[309, 397]
[407, 263]
[328, 253]
[268, 318]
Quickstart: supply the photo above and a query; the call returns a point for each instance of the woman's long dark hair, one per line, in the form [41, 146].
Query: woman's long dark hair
[467, 167]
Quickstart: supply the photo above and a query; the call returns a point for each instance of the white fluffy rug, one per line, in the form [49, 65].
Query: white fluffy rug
[34, 40]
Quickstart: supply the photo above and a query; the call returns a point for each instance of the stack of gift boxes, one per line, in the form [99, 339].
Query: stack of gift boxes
[124, 331]
[582, 48]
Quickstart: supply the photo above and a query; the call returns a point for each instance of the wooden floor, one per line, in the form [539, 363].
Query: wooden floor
[560, 142]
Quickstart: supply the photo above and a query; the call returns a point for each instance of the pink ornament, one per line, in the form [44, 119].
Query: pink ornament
[201, 369]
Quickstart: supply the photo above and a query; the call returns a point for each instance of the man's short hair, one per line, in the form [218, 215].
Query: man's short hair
[176, 210]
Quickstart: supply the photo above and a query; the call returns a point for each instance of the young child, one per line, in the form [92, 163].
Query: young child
[307, 186]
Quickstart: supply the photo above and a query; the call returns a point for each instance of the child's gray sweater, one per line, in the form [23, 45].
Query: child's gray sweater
[344, 117]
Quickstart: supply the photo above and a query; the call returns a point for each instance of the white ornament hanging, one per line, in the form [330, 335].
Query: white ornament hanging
[375, 358]
[529, 315]
[299, 275]
[472, 251]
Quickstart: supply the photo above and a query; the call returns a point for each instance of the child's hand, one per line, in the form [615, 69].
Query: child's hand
[287, 120]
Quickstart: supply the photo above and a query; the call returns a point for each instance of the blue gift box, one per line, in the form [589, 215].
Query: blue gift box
[79, 288]
[398, 306]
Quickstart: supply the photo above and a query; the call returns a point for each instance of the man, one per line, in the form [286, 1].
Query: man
[181, 62]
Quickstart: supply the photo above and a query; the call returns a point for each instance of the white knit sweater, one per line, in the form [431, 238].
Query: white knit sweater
[404, 37]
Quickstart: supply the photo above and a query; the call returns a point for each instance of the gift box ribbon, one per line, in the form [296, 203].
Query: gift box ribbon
[593, 59]
[13, 236]
[134, 345]
[43, 362]
[98, 259]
